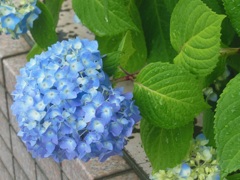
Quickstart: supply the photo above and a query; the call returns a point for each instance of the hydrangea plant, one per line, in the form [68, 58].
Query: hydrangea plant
[183, 56]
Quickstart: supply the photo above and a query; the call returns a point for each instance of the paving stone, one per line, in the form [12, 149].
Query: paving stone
[67, 5]
[19, 172]
[3, 105]
[50, 168]
[10, 47]
[64, 177]
[135, 150]
[94, 169]
[23, 157]
[4, 130]
[40, 174]
[1, 73]
[68, 29]
[134, 147]
[146, 167]
[125, 176]
[6, 157]
[65, 17]
[12, 118]
[11, 67]
[4, 174]
[128, 86]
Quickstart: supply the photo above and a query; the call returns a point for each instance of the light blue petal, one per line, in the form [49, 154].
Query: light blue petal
[10, 21]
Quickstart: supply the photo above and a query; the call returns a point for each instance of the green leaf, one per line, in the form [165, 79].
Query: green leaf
[234, 177]
[133, 52]
[227, 127]
[165, 148]
[111, 63]
[195, 35]
[227, 29]
[234, 62]
[108, 45]
[134, 59]
[130, 55]
[34, 51]
[155, 19]
[104, 17]
[168, 96]
[43, 30]
[208, 123]
[170, 4]
[54, 7]
[215, 5]
[127, 50]
[138, 3]
[233, 11]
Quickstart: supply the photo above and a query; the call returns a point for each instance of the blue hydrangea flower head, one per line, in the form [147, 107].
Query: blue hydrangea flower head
[66, 107]
[17, 20]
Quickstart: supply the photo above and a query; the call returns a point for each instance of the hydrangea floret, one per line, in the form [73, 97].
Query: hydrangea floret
[66, 107]
[201, 164]
[17, 19]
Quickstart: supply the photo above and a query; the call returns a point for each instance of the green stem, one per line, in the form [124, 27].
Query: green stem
[229, 51]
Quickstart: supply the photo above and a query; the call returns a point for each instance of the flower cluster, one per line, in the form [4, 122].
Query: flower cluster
[17, 20]
[66, 108]
[200, 165]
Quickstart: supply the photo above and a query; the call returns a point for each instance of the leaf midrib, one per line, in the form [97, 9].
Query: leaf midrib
[162, 95]
[197, 34]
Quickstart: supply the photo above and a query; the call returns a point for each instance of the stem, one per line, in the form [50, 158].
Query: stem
[128, 76]
[229, 51]
[124, 71]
